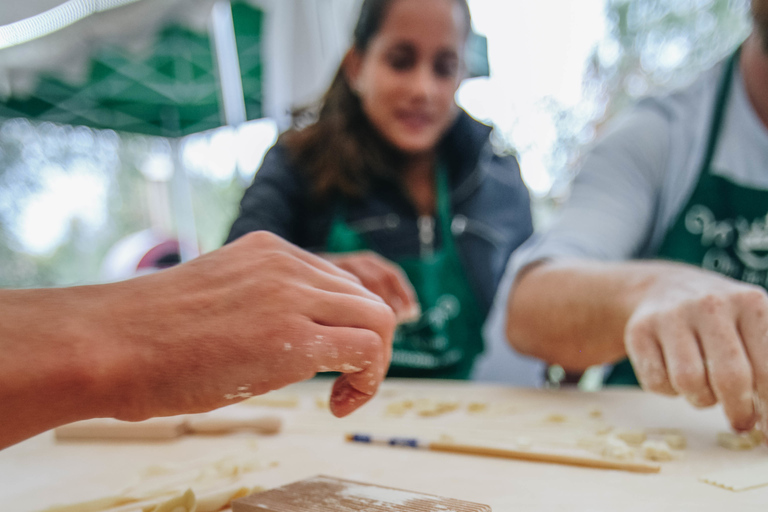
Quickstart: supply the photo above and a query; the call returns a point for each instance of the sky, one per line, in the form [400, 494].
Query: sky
[537, 51]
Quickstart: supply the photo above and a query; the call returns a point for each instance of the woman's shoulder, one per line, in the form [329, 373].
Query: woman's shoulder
[279, 165]
[473, 159]
[467, 134]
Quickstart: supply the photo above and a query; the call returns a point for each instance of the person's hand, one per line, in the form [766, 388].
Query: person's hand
[704, 336]
[383, 278]
[251, 317]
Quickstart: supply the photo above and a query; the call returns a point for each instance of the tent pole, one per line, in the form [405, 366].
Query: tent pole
[182, 205]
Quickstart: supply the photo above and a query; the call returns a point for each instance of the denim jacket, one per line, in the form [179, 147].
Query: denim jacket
[490, 205]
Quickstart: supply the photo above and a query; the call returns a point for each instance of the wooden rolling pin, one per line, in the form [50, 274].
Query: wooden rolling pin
[166, 428]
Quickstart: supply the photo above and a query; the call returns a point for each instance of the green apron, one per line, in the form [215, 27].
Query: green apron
[445, 340]
[724, 225]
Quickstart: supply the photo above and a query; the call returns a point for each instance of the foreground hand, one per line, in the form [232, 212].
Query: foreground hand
[704, 336]
[383, 278]
[251, 317]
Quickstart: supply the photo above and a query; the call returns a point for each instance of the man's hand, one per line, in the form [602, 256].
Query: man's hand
[251, 317]
[686, 330]
[704, 336]
[383, 278]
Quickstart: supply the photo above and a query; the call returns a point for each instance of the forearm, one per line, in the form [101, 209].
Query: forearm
[573, 313]
[51, 372]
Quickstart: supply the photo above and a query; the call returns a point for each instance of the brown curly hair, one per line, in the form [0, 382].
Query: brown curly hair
[341, 151]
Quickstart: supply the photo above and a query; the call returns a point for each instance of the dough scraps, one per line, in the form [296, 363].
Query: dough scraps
[632, 437]
[656, 450]
[676, 441]
[739, 479]
[615, 448]
[737, 442]
[199, 486]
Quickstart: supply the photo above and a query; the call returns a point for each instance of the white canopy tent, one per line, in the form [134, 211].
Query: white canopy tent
[304, 42]
[300, 45]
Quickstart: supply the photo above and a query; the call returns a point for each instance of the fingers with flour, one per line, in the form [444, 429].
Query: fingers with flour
[684, 361]
[729, 369]
[647, 358]
[359, 344]
[753, 326]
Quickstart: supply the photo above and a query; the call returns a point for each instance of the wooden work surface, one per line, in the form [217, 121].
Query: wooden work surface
[41, 472]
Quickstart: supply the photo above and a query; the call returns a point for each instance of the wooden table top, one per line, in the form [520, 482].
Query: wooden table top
[42, 472]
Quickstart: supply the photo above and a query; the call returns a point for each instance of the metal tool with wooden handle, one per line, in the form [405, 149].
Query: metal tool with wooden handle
[506, 453]
[166, 428]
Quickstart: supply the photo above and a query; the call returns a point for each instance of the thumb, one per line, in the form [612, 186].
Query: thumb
[345, 399]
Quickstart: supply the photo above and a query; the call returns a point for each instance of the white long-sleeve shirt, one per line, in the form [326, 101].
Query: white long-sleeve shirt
[636, 179]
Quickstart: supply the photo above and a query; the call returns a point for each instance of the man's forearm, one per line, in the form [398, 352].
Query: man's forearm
[573, 313]
[49, 370]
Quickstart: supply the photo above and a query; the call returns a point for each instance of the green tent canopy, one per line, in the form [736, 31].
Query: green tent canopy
[170, 90]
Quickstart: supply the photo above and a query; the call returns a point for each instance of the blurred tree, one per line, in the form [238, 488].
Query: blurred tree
[32, 155]
[650, 45]
[660, 43]
[215, 204]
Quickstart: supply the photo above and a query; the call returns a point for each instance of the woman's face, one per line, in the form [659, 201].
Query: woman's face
[408, 75]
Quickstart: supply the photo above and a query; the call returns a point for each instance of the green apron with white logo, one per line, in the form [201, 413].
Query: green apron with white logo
[724, 225]
[447, 337]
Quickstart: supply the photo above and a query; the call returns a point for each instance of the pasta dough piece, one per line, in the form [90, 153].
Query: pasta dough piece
[399, 408]
[183, 503]
[322, 403]
[216, 500]
[632, 437]
[446, 438]
[615, 448]
[167, 485]
[556, 418]
[676, 441]
[656, 450]
[738, 442]
[96, 505]
[739, 479]
[428, 408]
[477, 407]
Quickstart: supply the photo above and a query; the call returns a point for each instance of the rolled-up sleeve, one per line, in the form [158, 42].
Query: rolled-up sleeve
[612, 207]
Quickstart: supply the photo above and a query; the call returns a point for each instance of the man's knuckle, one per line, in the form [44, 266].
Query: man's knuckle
[761, 374]
[369, 340]
[753, 300]
[688, 380]
[388, 318]
[712, 304]
[731, 378]
[640, 331]
[262, 238]
[655, 383]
